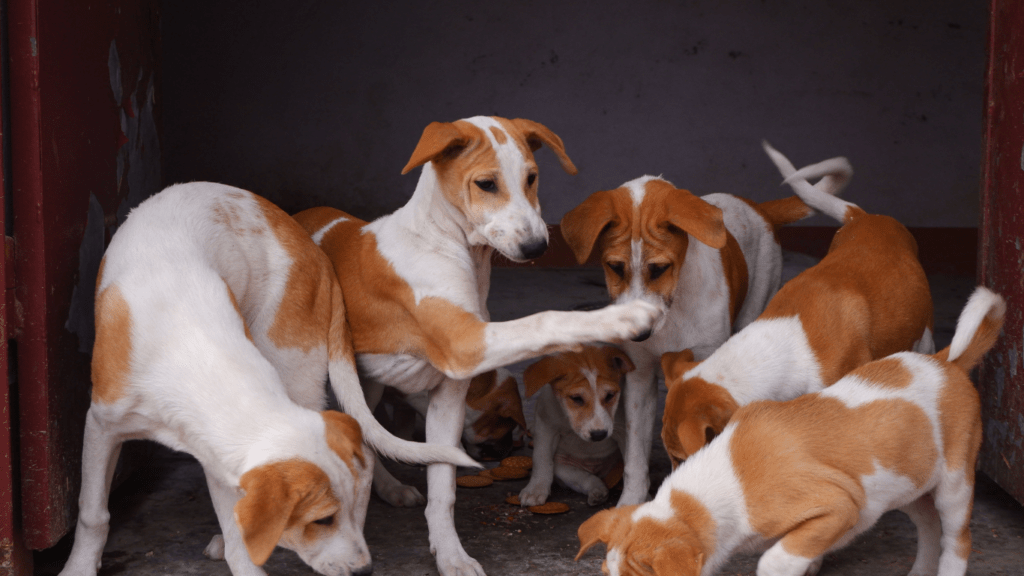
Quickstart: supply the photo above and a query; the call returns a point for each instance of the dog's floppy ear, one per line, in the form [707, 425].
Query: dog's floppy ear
[676, 559]
[600, 527]
[544, 371]
[272, 491]
[696, 217]
[344, 436]
[513, 407]
[618, 359]
[437, 139]
[582, 225]
[675, 364]
[537, 134]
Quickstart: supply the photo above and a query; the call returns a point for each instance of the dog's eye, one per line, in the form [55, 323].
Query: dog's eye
[325, 521]
[531, 179]
[487, 185]
[577, 400]
[657, 270]
[619, 268]
[609, 397]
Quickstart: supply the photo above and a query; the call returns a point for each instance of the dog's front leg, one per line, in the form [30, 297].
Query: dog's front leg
[640, 398]
[545, 440]
[231, 547]
[445, 417]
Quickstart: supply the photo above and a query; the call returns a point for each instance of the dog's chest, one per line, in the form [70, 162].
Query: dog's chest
[410, 374]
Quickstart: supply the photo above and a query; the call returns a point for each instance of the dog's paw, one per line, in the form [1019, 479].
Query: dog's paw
[597, 496]
[630, 498]
[634, 320]
[215, 549]
[534, 495]
[401, 496]
[459, 565]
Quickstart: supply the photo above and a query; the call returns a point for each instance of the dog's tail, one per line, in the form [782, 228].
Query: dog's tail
[976, 330]
[835, 174]
[345, 383]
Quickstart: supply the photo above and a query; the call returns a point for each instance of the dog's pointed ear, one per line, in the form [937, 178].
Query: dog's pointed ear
[537, 134]
[582, 226]
[545, 371]
[438, 138]
[344, 436]
[675, 364]
[618, 360]
[272, 492]
[696, 217]
[599, 527]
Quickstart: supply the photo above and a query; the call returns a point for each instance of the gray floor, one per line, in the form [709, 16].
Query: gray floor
[162, 516]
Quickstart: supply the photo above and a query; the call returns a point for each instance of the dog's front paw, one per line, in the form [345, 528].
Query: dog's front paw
[597, 495]
[460, 565]
[534, 495]
[401, 496]
[215, 549]
[634, 320]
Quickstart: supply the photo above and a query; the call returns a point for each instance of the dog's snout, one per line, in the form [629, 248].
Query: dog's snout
[363, 571]
[642, 336]
[598, 435]
[533, 249]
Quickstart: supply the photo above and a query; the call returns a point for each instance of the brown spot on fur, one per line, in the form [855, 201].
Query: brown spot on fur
[736, 278]
[800, 467]
[344, 437]
[499, 136]
[279, 497]
[780, 212]
[112, 353]
[887, 372]
[383, 314]
[695, 411]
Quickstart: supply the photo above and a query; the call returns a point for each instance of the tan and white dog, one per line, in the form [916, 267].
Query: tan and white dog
[217, 321]
[790, 478]
[712, 263]
[867, 298]
[578, 431]
[416, 284]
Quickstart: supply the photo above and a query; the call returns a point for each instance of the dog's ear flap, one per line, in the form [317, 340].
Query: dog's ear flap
[544, 371]
[513, 407]
[538, 134]
[272, 492]
[674, 558]
[344, 436]
[696, 217]
[438, 138]
[675, 364]
[618, 359]
[582, 226]
[600, 526]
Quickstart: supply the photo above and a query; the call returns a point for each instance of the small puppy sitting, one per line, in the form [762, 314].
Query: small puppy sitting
[577, 431]
[789, 477]
[867, 298]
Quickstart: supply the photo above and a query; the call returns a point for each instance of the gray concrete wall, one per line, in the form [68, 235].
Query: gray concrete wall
[321, 103]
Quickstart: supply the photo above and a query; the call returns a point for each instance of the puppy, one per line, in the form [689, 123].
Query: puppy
[789, 477]
[578, 431]
[217, 322]
[867, 298]
[711, 263]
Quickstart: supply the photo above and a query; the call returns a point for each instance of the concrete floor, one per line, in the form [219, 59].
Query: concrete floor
[162, 517]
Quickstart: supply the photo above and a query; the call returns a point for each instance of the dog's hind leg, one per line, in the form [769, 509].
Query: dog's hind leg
[929, 534]
[99, 459]
[954, 497]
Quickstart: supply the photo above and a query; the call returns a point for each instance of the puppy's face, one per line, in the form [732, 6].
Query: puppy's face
[485, 168]
[642, 231]
[315, 509]
[646, 546]
[695, 410]
[587, 385]
[493, 410]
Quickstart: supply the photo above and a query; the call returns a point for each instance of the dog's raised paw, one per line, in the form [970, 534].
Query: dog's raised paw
[215, 549]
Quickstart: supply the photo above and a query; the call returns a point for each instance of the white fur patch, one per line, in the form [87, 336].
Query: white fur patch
[319, 234]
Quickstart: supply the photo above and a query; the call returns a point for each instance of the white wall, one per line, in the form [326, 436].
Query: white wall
[321, 103]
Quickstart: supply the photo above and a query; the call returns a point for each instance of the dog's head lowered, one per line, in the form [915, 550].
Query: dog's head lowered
[484, 167]
[587, 385]
[643, 230]
[695, 410]
[314, 507]
[493, 411]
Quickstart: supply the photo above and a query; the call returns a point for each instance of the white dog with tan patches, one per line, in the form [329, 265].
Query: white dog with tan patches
[217, 322]
[416, 282]
[712, 263]
[791, 479]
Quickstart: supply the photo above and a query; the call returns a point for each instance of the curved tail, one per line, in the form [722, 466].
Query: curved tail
[976, 329]
[345, 383]
[835, 174]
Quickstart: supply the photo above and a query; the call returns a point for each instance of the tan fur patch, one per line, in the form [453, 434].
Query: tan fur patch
[382, 311]
[695, 410]
[344, 437]
[778, 213]
[798, 461]
[887, 372]
[736, 277]
[112, 353]
[499, 136]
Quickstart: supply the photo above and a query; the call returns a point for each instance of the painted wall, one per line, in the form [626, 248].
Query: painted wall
[321, 103]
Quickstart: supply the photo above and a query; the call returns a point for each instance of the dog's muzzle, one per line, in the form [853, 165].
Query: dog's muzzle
[533, 249]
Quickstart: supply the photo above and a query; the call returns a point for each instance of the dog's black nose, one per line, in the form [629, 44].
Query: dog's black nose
[364, 571]
[642, 336]
[598, 435]
[533, 249]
